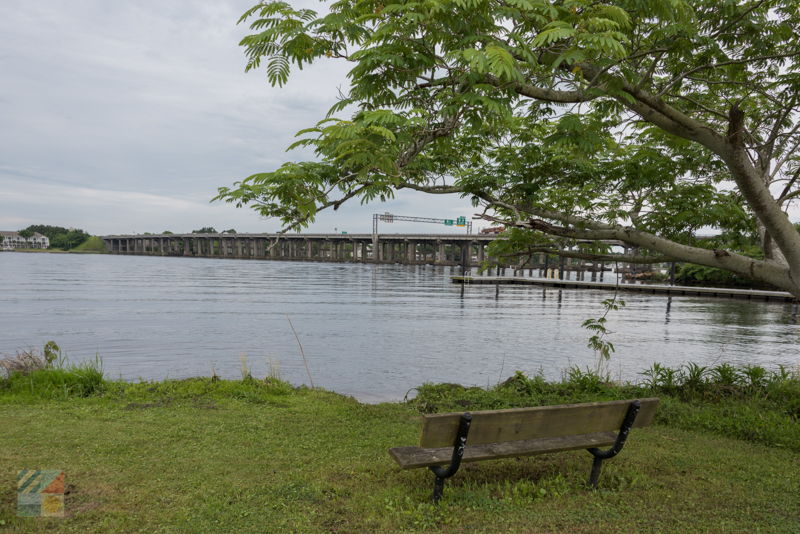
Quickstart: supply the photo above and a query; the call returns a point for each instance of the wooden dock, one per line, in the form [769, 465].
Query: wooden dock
[650, 289]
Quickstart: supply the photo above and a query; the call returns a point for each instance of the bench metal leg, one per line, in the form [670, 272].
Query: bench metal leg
[455, 461]
[599, 456]
[594, 478]
[438, 489]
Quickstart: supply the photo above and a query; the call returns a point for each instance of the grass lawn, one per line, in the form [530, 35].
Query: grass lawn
[93, 244]
[202, 456]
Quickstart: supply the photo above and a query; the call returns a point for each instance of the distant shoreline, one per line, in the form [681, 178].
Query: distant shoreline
[46, 251]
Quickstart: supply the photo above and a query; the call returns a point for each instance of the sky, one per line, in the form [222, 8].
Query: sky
[125, 117]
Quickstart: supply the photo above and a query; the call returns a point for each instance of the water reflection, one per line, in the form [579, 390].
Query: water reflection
[669, 303]
[372, 331]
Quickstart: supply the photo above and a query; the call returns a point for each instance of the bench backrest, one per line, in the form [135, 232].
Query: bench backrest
[493, 426]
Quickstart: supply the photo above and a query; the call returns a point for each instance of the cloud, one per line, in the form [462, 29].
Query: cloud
[129, 116]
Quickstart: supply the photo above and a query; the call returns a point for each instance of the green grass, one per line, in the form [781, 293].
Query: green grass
[93, 244]
[204, 455]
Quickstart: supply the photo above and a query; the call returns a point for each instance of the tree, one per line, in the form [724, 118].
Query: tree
[48, 231]
[25, 234]
[166, 232]
[59, 236]
[205, 230]
[571, 123]
[70, 240]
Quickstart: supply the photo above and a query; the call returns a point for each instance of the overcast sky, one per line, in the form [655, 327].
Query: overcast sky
[122, 117]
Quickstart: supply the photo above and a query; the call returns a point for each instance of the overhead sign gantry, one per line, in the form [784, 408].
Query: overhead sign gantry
[390, 218]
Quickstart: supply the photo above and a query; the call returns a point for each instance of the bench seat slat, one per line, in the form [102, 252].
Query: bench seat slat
[414, 457]
[519, 424]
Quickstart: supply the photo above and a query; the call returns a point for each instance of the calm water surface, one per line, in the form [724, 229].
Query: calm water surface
[369, 331]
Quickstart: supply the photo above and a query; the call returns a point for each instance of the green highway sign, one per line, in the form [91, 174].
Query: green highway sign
[344, 232]
[461, 221]
[448, 222]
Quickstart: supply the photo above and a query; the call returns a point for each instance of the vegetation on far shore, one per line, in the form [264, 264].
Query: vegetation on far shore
[92, 244]
[60, 237]
[260, 455]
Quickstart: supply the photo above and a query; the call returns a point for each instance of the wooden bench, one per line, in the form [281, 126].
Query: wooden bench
[489, 435]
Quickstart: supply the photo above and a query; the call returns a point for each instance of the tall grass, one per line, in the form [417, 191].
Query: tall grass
[52, 376]
[746, 402]
[33, 375]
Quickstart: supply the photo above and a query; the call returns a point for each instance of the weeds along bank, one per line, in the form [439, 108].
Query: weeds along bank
[749, 403]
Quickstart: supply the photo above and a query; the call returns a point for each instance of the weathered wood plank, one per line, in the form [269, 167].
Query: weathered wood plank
[414, 457]
[493, 426]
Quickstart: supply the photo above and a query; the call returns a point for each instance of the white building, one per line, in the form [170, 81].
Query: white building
[12, 240]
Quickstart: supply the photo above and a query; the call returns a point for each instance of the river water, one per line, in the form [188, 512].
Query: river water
[369, 331]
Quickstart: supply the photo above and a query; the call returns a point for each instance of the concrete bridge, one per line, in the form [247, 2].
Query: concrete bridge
[412, 249]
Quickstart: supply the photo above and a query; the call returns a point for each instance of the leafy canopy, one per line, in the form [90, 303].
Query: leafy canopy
[573, 122]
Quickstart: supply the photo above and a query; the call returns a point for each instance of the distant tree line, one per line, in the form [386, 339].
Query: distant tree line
[211, 230]
[59, 236]
[203, 230]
